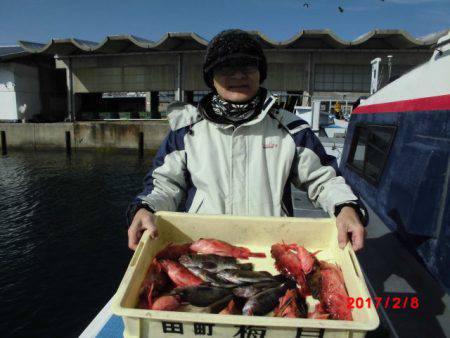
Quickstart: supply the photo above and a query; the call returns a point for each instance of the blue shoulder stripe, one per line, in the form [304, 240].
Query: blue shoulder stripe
[174, 141]
[295, 124]
[307, 139]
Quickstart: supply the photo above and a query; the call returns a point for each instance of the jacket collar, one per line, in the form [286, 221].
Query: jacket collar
[268, 102]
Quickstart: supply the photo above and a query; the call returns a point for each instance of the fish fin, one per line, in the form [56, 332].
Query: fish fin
[246, 266]
[150, 296]
[257, 254]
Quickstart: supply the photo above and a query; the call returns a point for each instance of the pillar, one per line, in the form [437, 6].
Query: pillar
[189, 96]
[154, 105]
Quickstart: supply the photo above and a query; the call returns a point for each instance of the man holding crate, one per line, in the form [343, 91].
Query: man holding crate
[237, 153]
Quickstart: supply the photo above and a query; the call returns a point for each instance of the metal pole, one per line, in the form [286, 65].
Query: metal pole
[68, 144]
[179, 92]
[389, 66]
[141, 145]
[4, 146]
[310, 74]
[72, 98]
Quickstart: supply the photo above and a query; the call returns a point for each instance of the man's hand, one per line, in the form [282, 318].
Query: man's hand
[143, 220]
[348, 222]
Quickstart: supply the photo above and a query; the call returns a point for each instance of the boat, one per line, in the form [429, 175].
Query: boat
[397, 158]
[337, 129]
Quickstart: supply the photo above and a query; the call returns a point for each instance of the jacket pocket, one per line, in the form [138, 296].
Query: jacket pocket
[197, 202]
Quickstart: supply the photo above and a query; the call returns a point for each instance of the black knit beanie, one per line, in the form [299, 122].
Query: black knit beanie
[232, 44]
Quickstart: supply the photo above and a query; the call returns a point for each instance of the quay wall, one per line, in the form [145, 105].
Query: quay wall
[104, 135]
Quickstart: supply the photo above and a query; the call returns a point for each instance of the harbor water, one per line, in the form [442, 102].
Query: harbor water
[63, 242]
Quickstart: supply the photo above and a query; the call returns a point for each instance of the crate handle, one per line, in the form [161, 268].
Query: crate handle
[354, 261]
[137, 254]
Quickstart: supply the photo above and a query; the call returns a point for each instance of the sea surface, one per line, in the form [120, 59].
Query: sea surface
[63, 242]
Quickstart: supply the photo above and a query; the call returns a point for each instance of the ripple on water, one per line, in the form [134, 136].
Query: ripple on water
[63, 248]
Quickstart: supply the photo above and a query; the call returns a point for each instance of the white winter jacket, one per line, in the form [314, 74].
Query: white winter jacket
[210, 168]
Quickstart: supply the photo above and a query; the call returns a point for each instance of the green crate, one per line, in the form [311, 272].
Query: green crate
[125, 115]
[144, 115]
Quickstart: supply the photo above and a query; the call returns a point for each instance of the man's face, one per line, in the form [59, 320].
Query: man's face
[237, 82]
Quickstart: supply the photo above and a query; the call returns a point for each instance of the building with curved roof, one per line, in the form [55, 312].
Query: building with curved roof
[313, 63]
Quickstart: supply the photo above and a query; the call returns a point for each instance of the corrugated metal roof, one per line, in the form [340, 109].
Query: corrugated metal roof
[305, 39]
[10, 52]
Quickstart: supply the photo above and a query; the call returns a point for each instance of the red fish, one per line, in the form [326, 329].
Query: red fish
[288, 306]
[333, 295]
[289, 264]
[154, 282]
[307, 259]
[220, 248]
[179, 274]
[166, 303]
[231, 309]
[174, 251]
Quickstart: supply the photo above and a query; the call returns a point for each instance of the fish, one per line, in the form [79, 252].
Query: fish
[174, 251]
[210, 277]
[306, 258]
[155, 281]
[179, 274]
[288, 264]
[220, 248]
[291, 305]
[244, 276]
[213, 263]
[263, 302]
[201, 295]
[248, 291]
[314, 281]
[230, 309]
[333, 295]
[218, 306]
[166, 303]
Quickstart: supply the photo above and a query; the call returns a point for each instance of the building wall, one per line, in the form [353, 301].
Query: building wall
[86, 135]
[123, 73]
[345, 72]
[23, 81]
[288, 70]
[192, 76]
[8, 107]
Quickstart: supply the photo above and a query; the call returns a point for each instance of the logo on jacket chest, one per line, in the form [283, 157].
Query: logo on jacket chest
[270, 145]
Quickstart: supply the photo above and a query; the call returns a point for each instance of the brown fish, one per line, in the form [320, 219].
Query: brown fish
[244, 276]
[210, 277]
[248, 291]
[212, 263]
[218, 306]
[263, 302]
[201, 295]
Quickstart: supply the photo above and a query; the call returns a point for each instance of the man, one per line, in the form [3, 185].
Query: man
[236, 153]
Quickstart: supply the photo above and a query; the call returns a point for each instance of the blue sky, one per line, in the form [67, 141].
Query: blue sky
[41, 20]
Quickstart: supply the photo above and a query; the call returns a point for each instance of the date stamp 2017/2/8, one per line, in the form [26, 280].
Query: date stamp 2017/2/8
[395, 303]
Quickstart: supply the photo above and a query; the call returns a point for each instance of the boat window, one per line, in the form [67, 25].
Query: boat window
[369, 150]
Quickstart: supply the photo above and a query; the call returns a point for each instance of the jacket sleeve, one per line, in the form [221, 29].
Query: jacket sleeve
[317, 172]
[165, 184]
